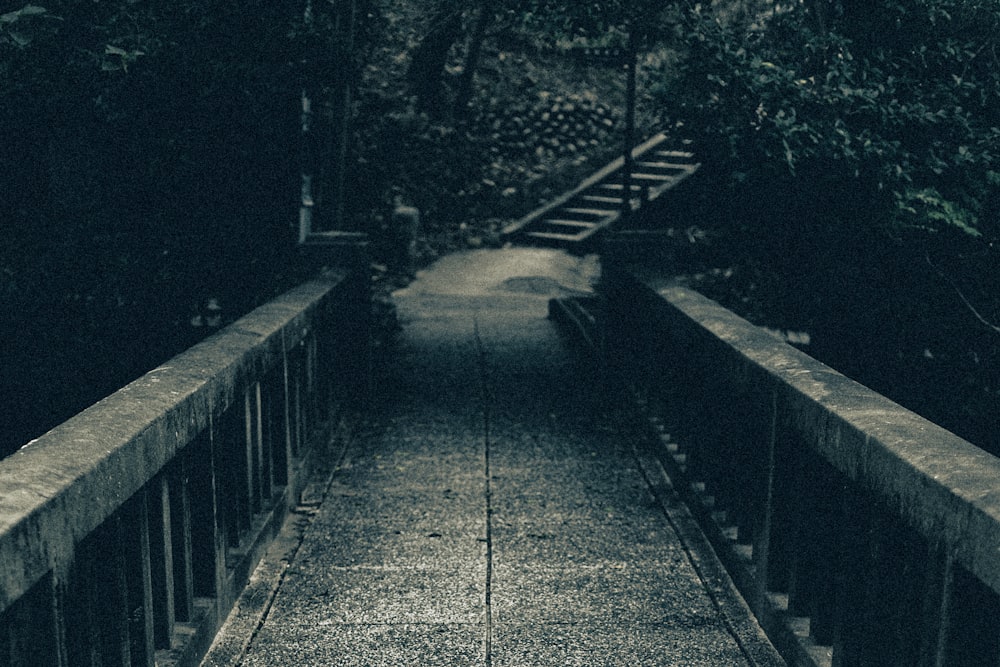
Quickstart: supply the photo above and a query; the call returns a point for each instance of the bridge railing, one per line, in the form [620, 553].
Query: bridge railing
[858, 532]
[127, 532]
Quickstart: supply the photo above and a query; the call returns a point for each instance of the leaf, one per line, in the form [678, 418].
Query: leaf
[27, 10]
[19, 39]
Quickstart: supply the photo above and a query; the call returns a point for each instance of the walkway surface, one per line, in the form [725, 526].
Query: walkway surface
[492, 512]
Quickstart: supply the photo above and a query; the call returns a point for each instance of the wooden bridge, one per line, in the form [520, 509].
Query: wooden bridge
[554, 486]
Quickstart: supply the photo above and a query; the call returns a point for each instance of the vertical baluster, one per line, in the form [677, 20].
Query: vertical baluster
[828, 521]
[207, 519]
[765, 515]
[259, 496]
[287, 411]
[249, 465]
[853, 580]
[312, 370]
[161, 555]
[973, 640]
[707, 425]
[749, 465]
[276, 400]
[295, 408]
[108, 597]
[79, 609]
[138, 580]
[812, 591]
[31, 634]
[781, 550]
[706, 457]
[267, 438]
[896, 588]
[937, 592]
[231, 473]
[690, 416]
[180, 516]
[58, 653]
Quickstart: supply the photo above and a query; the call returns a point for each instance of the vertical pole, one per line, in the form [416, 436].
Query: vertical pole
[306, 197]
[341, 133]
[628, 167]
[306, 200]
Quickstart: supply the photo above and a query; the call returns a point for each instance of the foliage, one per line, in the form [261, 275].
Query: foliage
[551, 21]
[854, 146]
[795, 103]
[149, 166]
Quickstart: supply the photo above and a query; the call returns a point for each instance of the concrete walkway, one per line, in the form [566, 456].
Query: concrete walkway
[493, 512]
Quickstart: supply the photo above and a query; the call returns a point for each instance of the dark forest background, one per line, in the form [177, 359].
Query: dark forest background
[151, 158]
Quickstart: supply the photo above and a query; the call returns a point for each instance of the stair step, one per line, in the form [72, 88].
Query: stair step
[619, 186]
[601, 199]
[664, 166]
[680, 155]
[553, 236]
[596, 212]
[567, 223]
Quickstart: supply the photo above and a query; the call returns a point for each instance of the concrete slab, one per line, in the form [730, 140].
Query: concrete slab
[613, 645]
[320, 642]
[420, 592]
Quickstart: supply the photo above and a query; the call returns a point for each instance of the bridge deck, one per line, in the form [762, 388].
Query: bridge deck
[494, 511]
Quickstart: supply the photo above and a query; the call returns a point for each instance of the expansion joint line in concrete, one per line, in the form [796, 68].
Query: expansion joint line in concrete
[484, 392]
[661, 487]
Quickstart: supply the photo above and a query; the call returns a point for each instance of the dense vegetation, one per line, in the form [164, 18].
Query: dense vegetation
[150, 174]
[854, 147]
[152, 154]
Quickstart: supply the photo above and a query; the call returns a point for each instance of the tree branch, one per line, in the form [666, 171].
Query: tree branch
[961, 295]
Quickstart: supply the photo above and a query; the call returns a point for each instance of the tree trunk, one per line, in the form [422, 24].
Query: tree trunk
[427, 64]
[464, 95]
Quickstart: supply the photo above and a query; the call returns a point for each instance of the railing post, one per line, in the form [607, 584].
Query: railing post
[138, 581]
[762, 538]
[973, 610]
[262, 489]
[208, 539]
[250, 506]
[935, 609]
[161, 550]
[181, 538]
[853, 551]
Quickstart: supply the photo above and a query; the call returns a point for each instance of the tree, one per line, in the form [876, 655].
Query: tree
[427, 63]
[853, 148]
[150, 163]
[561, 18]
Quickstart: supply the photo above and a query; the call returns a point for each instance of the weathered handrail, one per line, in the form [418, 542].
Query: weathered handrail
[859, 532]
[127, 532]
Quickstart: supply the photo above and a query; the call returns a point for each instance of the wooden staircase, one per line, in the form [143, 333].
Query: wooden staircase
[575, 217]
